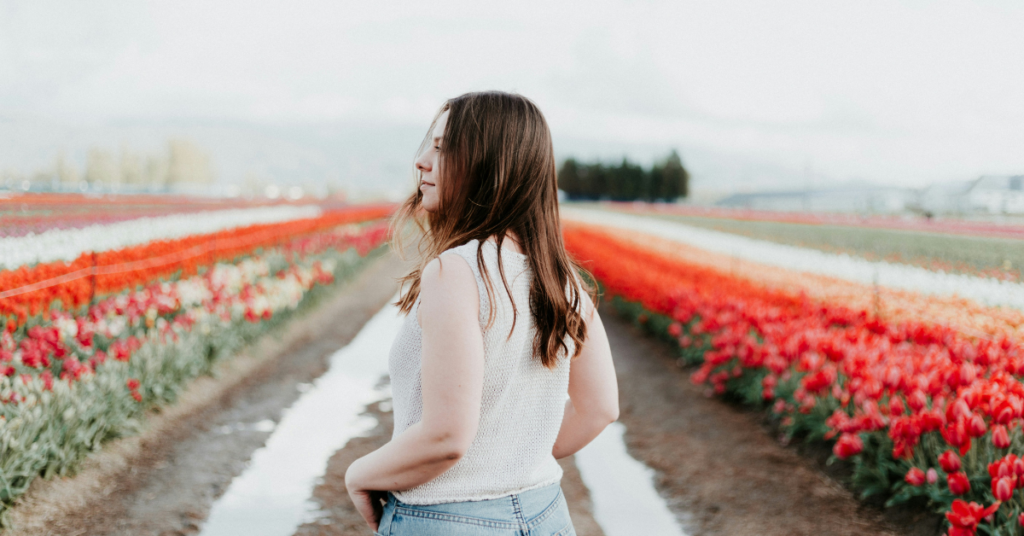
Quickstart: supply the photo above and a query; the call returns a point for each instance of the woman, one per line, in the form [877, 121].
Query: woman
[481, 367]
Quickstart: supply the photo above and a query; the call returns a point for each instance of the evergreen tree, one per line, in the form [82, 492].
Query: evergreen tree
[667, 180]
[569, 180]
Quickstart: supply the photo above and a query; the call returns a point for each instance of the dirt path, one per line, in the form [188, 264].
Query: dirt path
[718, 464]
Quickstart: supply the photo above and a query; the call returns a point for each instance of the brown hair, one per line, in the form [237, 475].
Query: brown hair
[498, 174]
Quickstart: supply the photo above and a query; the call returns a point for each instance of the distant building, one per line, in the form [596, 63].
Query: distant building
[997, 194]
[988, 194]
[946, 198]
[860, 200]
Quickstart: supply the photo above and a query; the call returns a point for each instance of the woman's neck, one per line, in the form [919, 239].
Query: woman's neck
[511, 241]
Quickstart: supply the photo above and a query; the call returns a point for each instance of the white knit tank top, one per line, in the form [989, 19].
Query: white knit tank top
[522, 405]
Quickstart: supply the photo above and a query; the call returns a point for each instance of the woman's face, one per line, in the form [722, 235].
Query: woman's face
[428, 164]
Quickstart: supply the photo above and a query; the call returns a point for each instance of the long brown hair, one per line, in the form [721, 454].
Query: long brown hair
[498, 174]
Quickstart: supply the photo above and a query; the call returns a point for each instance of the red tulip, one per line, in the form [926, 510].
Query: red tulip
[949, 462]
[1002, 488]
[966, 516]
[47, 380]
[848, 445]
[932, 475]
[955, 433]
[958, 483]
[1020, 520]
[967, 374]
[1000, 438]
[896, 406]
[914, 477]
[917, 400]
[976, 426]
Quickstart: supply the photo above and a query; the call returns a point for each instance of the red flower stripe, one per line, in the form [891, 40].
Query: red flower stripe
[909, 384]
[28, 291]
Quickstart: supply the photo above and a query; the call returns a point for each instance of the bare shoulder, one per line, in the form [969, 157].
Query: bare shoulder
[448, 280]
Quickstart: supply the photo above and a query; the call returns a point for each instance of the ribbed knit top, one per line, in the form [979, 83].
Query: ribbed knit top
[522, 404]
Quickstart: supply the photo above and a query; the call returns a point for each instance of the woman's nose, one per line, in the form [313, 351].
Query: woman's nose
[422, 164]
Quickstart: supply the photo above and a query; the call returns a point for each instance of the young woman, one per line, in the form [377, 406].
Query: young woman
[502, 365]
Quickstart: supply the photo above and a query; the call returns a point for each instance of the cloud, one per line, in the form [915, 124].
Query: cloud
[907, 92]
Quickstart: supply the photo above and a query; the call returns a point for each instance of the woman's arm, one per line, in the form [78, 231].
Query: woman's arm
[593, 391]
[451, 377]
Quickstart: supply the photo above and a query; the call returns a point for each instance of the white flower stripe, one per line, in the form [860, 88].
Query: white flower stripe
[68, 244]
[991, 292]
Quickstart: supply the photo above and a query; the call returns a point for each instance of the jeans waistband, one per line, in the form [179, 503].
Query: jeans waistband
[517, 510]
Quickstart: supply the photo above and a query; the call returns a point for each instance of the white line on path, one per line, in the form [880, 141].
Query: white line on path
[622, 489]
[986, 291]
[271, 497]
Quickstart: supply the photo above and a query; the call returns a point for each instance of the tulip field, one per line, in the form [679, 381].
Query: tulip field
[953, 246]
[912, 375]
[109, 306]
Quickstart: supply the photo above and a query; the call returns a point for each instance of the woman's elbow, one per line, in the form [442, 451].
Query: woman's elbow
[611, 414]
[605, 414]
[454, 451]
[451, 447]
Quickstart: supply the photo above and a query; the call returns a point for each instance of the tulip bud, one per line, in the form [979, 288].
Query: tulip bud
[1002, 488]
[895, 406]
[958, 483]
[976, 426]
[1020, 520]
[932, 475]
[917, 400]
[1000, 438]
[967, 374]
[848, 445]
[914, 477]
[949, 462]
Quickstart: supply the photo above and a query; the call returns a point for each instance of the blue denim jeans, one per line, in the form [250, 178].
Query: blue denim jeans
[536, 512]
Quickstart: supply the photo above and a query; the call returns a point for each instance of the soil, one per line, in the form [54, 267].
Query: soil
[718, 466]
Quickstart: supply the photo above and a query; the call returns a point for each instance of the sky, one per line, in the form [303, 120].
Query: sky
[754, 95]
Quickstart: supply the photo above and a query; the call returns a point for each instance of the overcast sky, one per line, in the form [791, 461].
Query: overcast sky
[907, 92]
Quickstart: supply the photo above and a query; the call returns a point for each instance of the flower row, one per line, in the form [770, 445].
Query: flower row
[947, 226]
[29, 291]
[72, 379]
[68, 244]
[986, 291]
[898, 395]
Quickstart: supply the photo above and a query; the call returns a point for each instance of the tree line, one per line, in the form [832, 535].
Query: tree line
[667, 180]
[182, 162]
